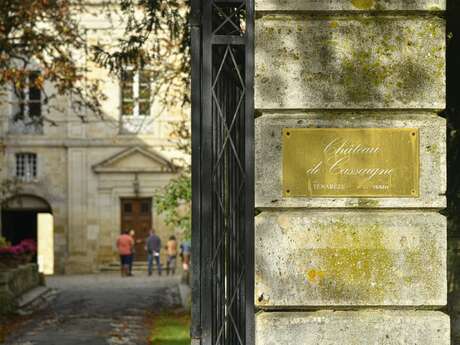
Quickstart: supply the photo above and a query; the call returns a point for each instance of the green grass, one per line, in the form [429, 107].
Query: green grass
[170, 329]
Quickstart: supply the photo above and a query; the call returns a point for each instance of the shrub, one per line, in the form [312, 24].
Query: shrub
[29, 246]
[4, 242]
[25, 247]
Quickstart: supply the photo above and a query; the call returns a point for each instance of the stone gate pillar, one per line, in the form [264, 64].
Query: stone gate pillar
[350, 172]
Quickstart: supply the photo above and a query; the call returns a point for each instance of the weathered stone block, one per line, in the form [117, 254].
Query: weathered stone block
[353, 328]
[15, 282]
[350, 5]
[331, 258]
[269, 158]
[313, 62]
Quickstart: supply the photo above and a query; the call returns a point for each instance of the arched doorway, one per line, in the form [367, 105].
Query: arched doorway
[30, 217]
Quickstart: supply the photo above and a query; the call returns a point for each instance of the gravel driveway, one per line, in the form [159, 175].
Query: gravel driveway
[99, 310]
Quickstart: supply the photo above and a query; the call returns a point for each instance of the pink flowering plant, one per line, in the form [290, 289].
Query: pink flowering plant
[27, 246]
[13, 255]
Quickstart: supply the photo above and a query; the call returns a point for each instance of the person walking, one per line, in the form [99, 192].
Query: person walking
[186, 253]
[171, 249]
[132, 233]
[125, 246]
[153, 247]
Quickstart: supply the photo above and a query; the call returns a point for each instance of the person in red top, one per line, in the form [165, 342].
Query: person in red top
[125, 245]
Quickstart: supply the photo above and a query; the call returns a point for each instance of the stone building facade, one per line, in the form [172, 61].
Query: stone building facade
[92, 175]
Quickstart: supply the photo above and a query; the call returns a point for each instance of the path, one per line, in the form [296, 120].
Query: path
[99, 310]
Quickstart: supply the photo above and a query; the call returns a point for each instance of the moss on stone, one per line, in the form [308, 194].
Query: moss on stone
[356, 263]
[370, 59]
[363, 4]
[362, 74]
[7, 305]
[433, 149]
[362, 202]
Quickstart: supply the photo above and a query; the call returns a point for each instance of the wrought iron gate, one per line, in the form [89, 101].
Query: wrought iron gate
[223, 172]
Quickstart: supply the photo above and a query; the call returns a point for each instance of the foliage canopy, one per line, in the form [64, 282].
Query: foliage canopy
[45, 35]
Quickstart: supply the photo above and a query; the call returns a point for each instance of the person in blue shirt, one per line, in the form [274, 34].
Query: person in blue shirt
[153, 247]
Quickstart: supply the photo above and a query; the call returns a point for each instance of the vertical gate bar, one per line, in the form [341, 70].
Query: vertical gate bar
[195, 21]
[230, 228]
[230, 192]
[225, 189]
[215, 221]
[222, 232]
[241, 223]
[222, 186]
[221, 223]
[235, 213]
[249, 169]
[206, 171]
[228, 224]
[216, 213]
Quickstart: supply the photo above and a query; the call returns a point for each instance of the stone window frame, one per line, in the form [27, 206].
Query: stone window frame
[140, 103]
[22, 98]
[26, 166]
[22, 120]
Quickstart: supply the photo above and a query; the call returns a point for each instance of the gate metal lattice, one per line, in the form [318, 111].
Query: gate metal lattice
[223, 165]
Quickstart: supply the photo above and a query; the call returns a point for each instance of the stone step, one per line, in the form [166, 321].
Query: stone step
[135, 264]
[137, 267]
[35, 299]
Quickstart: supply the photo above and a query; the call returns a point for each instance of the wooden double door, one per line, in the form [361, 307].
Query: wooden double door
[136, 214]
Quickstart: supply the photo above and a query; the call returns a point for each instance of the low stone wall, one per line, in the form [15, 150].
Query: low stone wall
[14, 283]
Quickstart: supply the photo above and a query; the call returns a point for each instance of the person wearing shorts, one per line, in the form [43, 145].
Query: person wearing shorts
[171, 249]
[125, 246]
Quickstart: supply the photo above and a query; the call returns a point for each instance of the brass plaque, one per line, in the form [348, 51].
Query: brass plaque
[351, 162]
